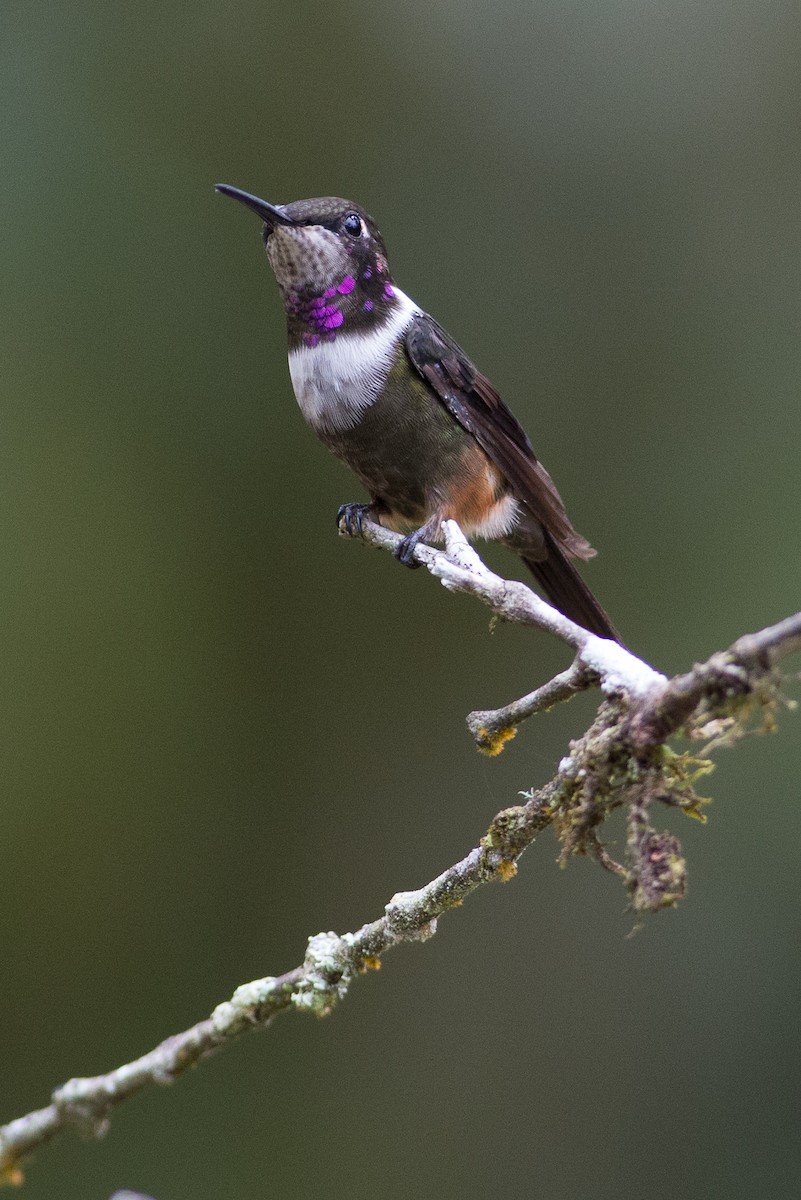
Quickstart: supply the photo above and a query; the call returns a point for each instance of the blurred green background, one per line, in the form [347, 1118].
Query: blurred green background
[225, 729]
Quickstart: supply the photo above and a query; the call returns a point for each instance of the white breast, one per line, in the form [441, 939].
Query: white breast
[335, 381]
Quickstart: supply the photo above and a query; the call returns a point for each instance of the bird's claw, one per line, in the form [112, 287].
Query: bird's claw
[350, 518]
[405, 550]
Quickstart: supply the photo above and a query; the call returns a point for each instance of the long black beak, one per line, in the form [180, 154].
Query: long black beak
[271, 214]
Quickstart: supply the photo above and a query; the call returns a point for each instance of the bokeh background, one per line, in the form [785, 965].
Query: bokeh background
[225, 729]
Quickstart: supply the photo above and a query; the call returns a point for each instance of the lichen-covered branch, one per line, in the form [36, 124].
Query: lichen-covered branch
[621, 762]
[331, 964]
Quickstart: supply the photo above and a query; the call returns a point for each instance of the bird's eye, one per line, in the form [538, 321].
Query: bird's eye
[353, 224]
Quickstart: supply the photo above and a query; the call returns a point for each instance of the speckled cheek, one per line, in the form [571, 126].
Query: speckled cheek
[305, 258]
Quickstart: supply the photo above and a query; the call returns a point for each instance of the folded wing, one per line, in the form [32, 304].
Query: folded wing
[474, 403]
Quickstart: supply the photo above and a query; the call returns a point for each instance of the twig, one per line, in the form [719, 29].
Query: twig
[493, 727]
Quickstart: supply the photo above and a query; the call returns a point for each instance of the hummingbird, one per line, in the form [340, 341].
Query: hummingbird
[397, 399]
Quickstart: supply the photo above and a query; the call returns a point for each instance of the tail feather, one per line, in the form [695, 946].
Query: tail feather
[568, 592]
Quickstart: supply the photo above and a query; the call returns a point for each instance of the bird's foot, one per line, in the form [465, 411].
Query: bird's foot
[405, 549]
[351, 516]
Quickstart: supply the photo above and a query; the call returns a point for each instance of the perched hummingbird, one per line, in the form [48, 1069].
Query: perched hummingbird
[393, 395]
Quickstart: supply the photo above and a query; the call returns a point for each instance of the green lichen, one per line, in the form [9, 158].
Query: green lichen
[606, 771]
[326, 975]
[603, 774]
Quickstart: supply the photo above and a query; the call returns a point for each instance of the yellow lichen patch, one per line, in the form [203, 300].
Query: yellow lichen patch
[492, 743]
[371, 963]
[506, 870]
[693, 809]
[11, 1175]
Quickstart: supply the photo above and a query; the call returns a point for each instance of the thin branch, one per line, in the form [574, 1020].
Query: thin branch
[493, 727]
[616, 762]
[772, 644]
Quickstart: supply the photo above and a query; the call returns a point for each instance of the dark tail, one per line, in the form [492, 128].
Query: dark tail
[568, 592]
